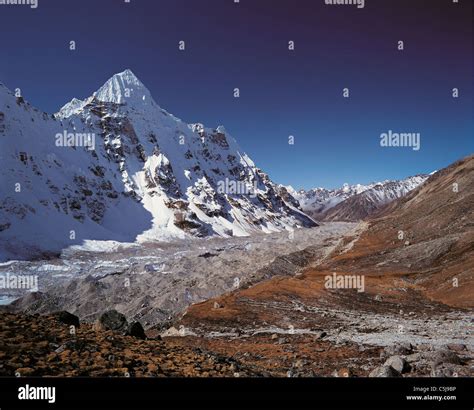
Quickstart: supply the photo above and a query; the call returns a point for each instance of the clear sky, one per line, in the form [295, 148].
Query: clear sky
[283, 92]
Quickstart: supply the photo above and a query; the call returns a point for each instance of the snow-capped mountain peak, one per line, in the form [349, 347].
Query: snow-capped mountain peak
[71, 108]
[124, 88]
[354, 202]
[116, 166]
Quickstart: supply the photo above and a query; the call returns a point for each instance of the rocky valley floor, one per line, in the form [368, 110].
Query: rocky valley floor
[155, 282]
[278, 319]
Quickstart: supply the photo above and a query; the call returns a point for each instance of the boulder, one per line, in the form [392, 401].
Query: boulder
[457, 347]
[112, 320]
[66, 318]
[447, 370]
[135, 329]
[400, 349]
[115, 321]
[444, 356]
[415, 357]
[384, 371]
[398, 363]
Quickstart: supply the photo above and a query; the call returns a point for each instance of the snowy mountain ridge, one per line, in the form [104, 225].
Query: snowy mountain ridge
[149, 176]
[353, 202]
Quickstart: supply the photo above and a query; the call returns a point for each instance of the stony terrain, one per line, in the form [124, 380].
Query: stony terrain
[43, 346]
[416, 261]
[154, 283]
[410, 315]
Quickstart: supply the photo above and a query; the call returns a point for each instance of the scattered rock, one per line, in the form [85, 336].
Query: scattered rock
[344, 372]
[400, 349]
[424, 347]
[384, 371]
[398, 363]
[300, 363]
[415, 357]
[320, 335]
[135, 329]
[67, 318]
[95, 354]
[208, 255]
[447, 370]
[444, 356]
[457, 347]
[112, 320]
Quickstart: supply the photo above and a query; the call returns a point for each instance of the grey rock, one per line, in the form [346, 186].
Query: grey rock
[444, 356]
[457, 347]
[398, 363]
[415, 357]
[384, 371]
[446, 370]
[112, 320]
[400, 349]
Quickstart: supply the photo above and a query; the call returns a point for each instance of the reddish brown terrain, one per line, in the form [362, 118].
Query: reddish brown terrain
[35, 345]
[417, 261]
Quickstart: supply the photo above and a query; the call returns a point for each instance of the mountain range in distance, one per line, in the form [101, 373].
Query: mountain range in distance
[352, 203]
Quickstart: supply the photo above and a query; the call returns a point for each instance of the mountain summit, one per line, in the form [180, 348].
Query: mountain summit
[118, 167]
[123, 88]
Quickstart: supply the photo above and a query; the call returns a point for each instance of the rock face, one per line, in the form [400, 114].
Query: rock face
[116, 166]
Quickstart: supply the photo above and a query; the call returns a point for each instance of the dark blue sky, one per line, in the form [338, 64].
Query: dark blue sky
[283, 93]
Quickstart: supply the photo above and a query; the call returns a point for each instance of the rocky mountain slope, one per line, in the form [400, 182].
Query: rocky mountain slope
[402, 282]
[353, 202]
[118, 167]
[428, 235]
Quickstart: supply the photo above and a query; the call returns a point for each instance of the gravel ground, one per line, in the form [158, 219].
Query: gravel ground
[155, 282]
